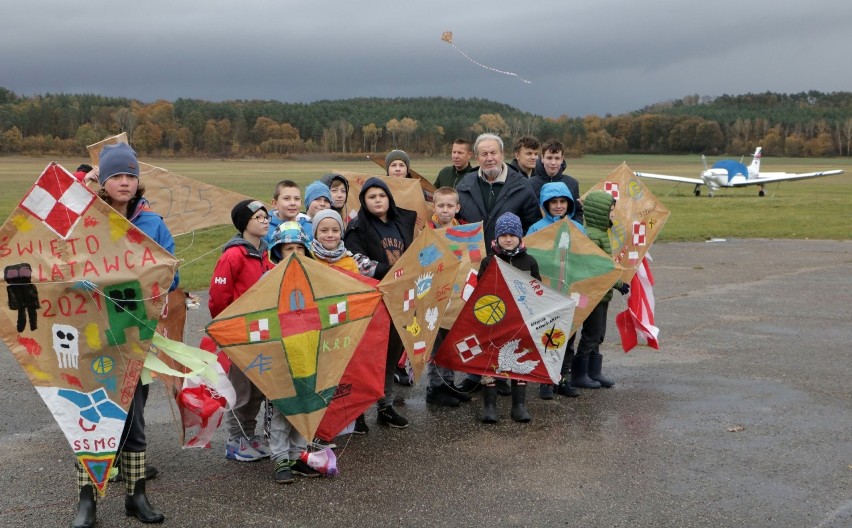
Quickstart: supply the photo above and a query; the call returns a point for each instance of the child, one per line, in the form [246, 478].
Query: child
[317, 198]
[288, 238]
[287, 201]
[550, 167]
[441, 390]
[118, 175]
[508, 247]
[557, 202]
[586, 365]
[398, 164]
[338, 186]
[327, 246]
[243, 262]
[378, 236]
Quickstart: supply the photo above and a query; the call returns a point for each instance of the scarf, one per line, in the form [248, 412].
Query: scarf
[328, 255]
[495, 247]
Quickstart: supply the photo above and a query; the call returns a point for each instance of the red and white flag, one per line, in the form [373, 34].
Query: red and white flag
[636, 323]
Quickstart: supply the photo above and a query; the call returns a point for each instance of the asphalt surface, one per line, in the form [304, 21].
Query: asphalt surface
[743, 418]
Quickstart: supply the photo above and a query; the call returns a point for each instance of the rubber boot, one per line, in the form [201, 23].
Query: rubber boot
[580, 373]
[503, 388]
[489, 401]
[136, 501]
[519, 402]
[86, 508]
[595, 362]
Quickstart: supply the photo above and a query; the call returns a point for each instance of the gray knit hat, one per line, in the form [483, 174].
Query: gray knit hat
[395, 155]
[117, 159]
[322, 215]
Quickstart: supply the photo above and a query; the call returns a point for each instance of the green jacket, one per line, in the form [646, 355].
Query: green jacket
[596, 209]
[450, 177]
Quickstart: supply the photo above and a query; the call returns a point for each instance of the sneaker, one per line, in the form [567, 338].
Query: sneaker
[260, 446]
[282, 473]
[441, 397]
[401, 377]
[240, 449]
[304, 470]
[545, 391]
[361, 427]
[319, 443]
[388, 416]
[566, 389]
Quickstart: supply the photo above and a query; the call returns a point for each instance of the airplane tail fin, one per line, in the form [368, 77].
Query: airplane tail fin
[754, 168]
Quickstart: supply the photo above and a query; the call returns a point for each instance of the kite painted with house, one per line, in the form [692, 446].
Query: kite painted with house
[84, 292]
[637, 219]
[293, 334]
[513, 327]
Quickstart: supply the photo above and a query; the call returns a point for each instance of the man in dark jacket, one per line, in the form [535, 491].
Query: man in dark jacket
[495, 188]
[550, 168]
[451, 176]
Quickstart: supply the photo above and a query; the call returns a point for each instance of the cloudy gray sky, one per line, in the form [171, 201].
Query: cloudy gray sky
[582, 56]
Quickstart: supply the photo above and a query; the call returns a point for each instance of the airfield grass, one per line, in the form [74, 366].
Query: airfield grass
[807, 209]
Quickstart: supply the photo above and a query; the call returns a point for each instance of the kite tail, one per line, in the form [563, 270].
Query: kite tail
[488, 67]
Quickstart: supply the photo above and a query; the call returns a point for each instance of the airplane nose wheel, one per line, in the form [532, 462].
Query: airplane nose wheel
[761, 192]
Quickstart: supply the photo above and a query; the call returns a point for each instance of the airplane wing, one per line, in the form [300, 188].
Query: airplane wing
[772, 177]
[681, 179]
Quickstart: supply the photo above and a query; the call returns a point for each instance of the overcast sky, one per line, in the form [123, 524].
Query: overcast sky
[581, 56]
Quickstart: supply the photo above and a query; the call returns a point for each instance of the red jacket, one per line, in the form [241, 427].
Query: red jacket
[240, 266]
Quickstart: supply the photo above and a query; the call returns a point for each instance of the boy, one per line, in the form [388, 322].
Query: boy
[338, 186]
[551, 168]
[441, 390]
[243, 262]
[317, 198]
[586, 365]
[461, 154]
[398, 164]
[288, 238]
[509, 247]
[286, 202]
[526, 155]
[378, 236]
[557, 202]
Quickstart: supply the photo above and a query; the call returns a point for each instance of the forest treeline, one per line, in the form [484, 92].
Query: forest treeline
[811, 124]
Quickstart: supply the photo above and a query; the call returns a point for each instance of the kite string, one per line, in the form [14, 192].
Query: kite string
[489, 67]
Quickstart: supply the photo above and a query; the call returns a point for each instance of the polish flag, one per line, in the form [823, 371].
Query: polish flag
[636, 323]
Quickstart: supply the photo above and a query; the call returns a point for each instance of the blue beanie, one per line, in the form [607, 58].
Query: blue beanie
[316, 190]
[287, 233]
[508, 224]
[117, 159]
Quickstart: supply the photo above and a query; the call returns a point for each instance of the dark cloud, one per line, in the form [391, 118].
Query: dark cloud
[607, 56]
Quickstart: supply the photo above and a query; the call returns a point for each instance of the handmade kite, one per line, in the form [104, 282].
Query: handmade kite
[637, 219]
[363, 381]
[406, 193]
[467, 242]
[572, 264]
[85, 289]
[417, 291]
[513, 327]
[447, 36]
[425, 185]
[293, 334]
[185, 204]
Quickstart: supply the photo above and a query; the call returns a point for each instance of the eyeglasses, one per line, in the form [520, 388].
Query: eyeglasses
[261, 218]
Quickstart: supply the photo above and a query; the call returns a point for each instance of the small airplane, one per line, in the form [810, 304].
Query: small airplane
[730, 173]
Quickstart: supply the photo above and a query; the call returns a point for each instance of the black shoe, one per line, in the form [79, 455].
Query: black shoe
[282, 473]
[453, 391]
[86, 508]
[304, 470]
[565, 389]
[151, 473]
[441, 397]
[489, 402]
[503, 388]
[401, 377]
[137, 505]
[319, 444]
[545, 392]
[361, 427]
[468, 386]
[388, 416]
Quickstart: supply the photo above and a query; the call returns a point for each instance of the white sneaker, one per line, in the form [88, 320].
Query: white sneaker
[240, 449]
[260, 446]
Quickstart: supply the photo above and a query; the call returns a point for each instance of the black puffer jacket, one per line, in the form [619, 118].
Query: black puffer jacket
[540, 177]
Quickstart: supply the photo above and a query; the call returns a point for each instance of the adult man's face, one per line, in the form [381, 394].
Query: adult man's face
[461, 156]
[526, 159]
[490, 157]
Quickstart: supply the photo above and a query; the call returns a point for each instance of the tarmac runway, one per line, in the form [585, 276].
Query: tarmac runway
[743, 418]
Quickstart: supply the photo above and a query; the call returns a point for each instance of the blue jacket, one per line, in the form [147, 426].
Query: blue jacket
[152, 225]
[550, 191]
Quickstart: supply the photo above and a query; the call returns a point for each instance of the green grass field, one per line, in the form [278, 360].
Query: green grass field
[817, 208]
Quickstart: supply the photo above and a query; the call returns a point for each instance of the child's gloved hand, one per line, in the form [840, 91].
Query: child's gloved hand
[624, 289]
[366, 265]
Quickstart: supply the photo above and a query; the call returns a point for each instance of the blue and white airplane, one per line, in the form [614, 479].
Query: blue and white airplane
[730, 173]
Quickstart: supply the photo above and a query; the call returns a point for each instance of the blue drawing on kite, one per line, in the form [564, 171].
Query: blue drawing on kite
[429, 255]
[102, 368]
[93, 406]
[297, 300]
[23, 294]
[126, 310]
[261, 363]
[423, 284]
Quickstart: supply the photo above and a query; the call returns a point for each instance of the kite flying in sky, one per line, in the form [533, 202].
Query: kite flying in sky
[447, 36]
